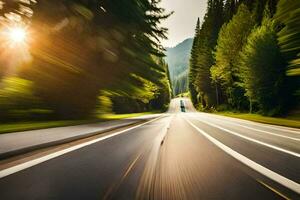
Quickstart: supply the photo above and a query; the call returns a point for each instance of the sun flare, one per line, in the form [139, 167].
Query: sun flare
[17, 34]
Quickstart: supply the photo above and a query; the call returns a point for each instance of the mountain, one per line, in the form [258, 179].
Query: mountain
[178, 60]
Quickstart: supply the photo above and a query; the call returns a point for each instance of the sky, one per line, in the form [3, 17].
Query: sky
[182, 23]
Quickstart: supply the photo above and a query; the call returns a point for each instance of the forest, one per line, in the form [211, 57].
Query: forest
[246, 57]
[75, 59]
[177, 58]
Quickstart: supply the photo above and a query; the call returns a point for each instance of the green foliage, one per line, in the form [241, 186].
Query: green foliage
[193, 64]
[203, 81]
[105, 104]
[284, 121]
[288, 14]
[226, 69]
[181, 83]
[263, 70]
[228, 48]
[83, 47]
[139, 94]
[18, 101]
[164, 92]
[260, 6]
[230, 8]
[202, 58]
[247, 70]
[16, 93]
[178, 61]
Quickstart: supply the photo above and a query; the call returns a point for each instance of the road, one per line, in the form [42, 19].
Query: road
[26, 141]
[180, 155]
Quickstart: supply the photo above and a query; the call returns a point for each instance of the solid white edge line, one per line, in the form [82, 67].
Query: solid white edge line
[28, 164]
[255, 129]
[252, 140]
[255, 166]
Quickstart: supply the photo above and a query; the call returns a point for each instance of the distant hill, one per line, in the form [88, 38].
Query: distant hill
[178, 60]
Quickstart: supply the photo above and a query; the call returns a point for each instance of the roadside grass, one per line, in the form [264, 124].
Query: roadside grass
[107, 117]
[291, 121]
[33, 125]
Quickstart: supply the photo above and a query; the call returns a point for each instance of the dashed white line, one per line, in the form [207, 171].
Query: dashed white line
[292, 185]
[274, 127]
[253, 140]
[255, 129]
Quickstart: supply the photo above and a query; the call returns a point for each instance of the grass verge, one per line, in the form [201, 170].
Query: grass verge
[33, 125]
[25, 126]
[107, 117]
[290, 122]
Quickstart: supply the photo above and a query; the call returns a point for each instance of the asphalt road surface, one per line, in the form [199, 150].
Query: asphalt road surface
[180, 155]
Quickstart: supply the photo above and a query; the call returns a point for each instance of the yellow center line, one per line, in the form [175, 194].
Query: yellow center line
[115, 186]
[131, 166]
[273, 190]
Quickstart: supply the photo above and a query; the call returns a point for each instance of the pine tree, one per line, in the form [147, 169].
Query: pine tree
[208, 35]
[260, 6]
[193, 64]
[230, 9]
[263, 71]
[231, 39]
[249, 3]
[92, 49]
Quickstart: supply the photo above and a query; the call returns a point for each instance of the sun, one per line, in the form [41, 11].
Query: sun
[15, 41]
[17, 34]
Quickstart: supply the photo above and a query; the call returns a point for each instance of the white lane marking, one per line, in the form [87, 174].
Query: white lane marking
[292, 185]
[17, 168]
[287, 129]
[253, 140]
[255, 129]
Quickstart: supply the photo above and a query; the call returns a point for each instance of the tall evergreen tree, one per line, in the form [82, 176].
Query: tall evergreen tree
[90, 46]
[249, 3]
[237, 73]
[231, 39]
[193, 64]
[230, 8]
[208, 35]
[263, 71]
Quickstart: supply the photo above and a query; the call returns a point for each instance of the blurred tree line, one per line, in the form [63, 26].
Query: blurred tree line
[181, 83]
[86, 57]
[245, 56]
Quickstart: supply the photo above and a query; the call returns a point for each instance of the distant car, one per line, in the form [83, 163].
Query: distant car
[182, 106]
